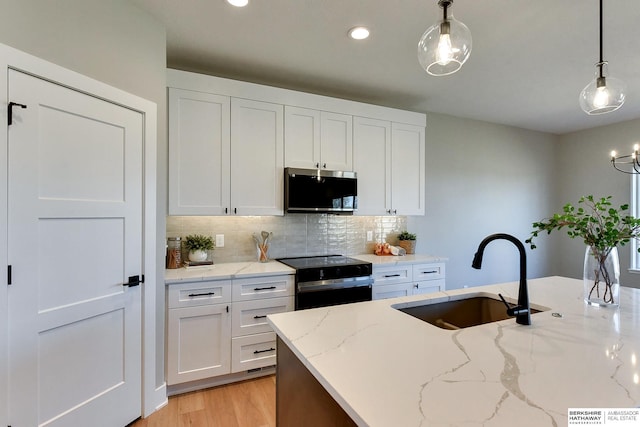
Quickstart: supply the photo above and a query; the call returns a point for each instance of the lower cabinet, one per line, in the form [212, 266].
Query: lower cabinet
[407, 279]
[214, 328]
[253, 343]
[253, 351]
[199, 343]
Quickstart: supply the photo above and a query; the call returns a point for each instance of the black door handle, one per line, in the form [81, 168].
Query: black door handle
[10, 111]
[133, 281]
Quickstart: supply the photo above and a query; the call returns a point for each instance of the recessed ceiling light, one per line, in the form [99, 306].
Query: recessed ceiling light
[359, 33]
[238, 3]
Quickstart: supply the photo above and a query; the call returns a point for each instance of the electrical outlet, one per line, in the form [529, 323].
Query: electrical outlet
[369, 236]
[219, 240]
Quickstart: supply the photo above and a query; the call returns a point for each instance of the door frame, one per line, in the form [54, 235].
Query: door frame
[153, 396]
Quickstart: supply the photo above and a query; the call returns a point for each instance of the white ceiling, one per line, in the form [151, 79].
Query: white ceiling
[530, 58]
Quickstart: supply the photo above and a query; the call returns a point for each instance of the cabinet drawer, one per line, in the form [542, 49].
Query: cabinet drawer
[390, 275]
[199, 293]
[263, 287]
[428, 286]
[392, 291]
[428, 272]
[253, 351]
[250, 317]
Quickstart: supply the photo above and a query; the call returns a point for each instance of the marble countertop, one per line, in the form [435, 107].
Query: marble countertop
[229, 270]
[233, 270]
[397, 260]
[386, 368]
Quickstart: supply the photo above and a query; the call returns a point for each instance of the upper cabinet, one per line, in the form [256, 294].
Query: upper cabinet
[390, 161]
[229, 142]
[199, 150]
[407, 169]
[257, 158]
[317, 139]
[225, 155]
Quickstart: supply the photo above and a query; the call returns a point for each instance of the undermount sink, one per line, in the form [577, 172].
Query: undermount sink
[463, 312]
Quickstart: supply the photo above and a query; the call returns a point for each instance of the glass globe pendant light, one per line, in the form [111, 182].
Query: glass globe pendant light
[603, 94]
[445, 46]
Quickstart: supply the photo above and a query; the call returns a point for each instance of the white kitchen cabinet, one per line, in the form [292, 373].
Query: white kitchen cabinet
[259, 288]
[216, 328]
[407, 169]
[250, 317]
[407, 279]
[253, 342]
[318, 139]
[198, 331]
[199, 152]
[257, 158]
[225, 155]
[253, 351]
[372, 163]
[389, 159]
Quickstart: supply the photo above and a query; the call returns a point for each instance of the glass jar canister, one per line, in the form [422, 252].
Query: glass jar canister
[174, 252]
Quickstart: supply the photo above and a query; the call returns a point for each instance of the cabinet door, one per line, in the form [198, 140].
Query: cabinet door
[199, 144]
[257, 158]
[301, 137]
[336, 148]
[427, 287]
[372, 163]
[407, 169]
[198, 343]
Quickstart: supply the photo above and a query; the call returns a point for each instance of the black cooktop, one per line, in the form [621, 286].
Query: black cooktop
[327, 267]
[321, 261]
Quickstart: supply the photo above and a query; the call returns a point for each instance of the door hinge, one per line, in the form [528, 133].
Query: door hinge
[8, 275]
[10, 111]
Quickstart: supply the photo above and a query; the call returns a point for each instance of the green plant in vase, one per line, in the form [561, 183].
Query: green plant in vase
[602, 228]
[198, 245]
[407, 241]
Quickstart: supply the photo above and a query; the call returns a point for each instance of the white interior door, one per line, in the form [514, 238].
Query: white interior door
[75, 237]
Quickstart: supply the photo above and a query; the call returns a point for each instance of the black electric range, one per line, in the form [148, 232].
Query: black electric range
[330, 280]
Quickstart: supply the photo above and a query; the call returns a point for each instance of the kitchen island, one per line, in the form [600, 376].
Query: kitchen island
[383, 367]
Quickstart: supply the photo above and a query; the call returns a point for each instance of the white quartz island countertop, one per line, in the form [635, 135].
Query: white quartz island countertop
[386, 368]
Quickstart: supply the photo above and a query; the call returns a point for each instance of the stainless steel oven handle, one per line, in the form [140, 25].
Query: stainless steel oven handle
[326, 285]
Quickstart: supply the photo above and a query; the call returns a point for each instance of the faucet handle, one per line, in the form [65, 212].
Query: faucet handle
[515, 310]
[504, 301]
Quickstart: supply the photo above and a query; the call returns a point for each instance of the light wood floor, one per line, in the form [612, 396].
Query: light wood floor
[250, 403]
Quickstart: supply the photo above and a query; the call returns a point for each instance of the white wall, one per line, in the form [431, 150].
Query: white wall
[484, 178]
[585, 168]
[112, 41]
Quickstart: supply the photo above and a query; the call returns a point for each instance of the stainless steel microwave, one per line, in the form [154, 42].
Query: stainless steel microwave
[320, 191]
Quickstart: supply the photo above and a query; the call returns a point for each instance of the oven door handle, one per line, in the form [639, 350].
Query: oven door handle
[327, 285]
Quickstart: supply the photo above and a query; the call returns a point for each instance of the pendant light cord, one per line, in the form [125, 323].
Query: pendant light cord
[444, 4]
[600, 64]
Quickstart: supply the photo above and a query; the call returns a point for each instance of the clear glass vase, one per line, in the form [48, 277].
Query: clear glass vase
[602, 277]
